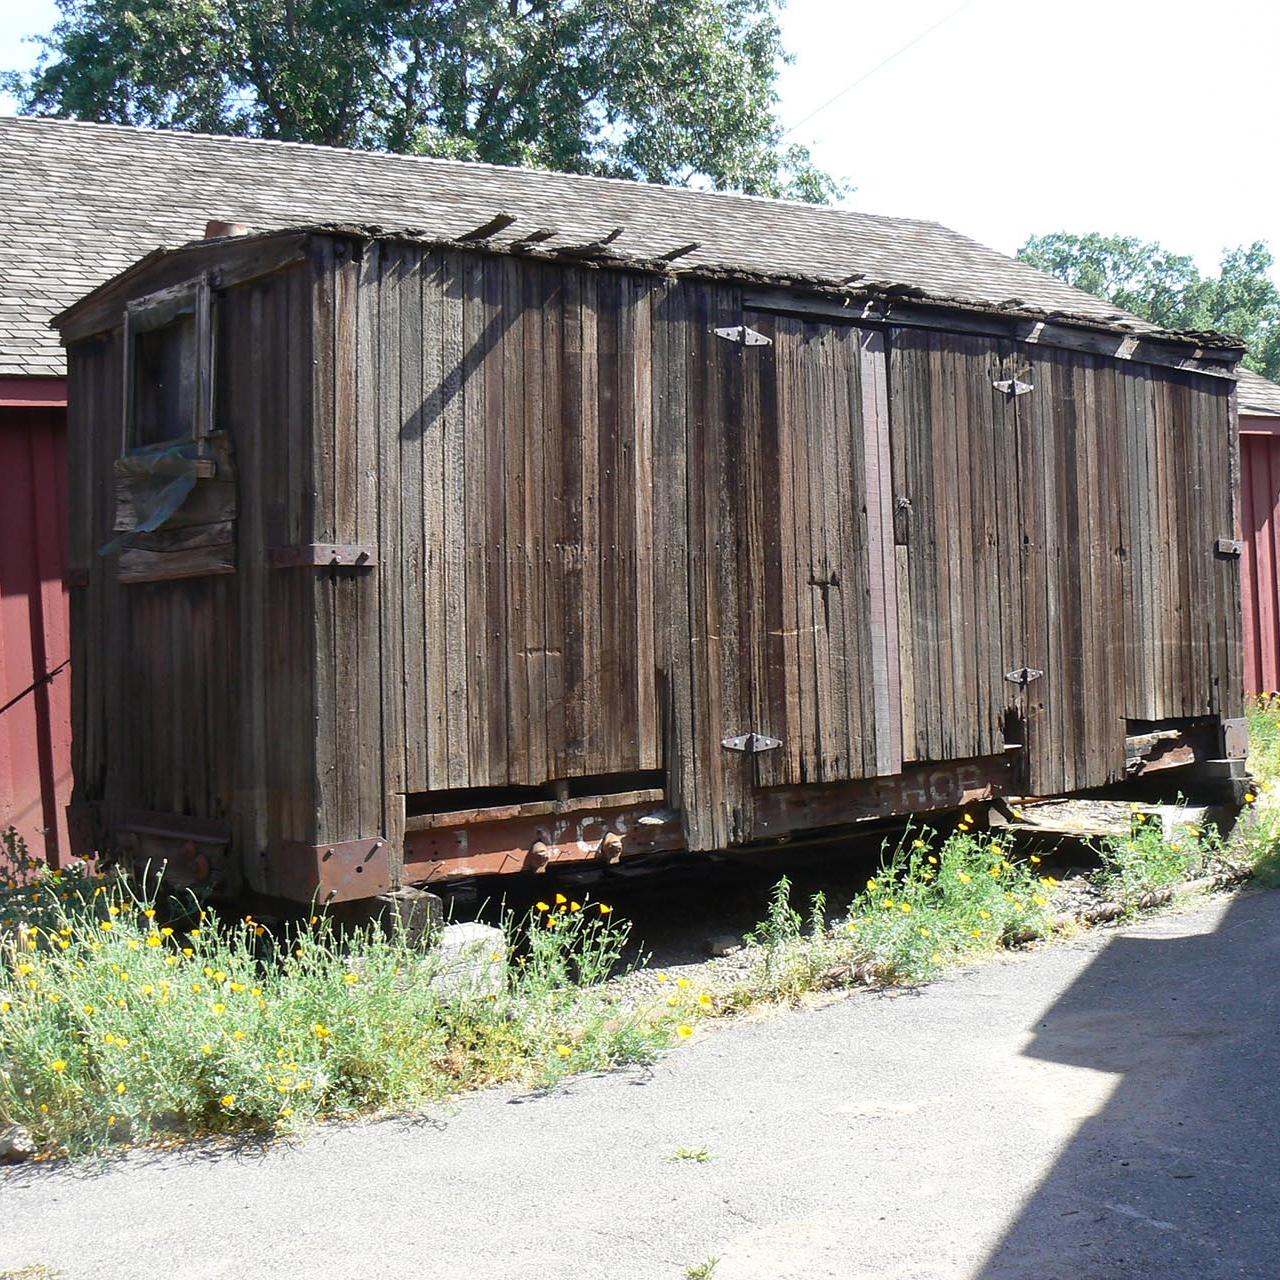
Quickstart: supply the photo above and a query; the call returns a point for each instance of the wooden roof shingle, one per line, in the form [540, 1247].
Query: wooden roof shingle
[81, 202]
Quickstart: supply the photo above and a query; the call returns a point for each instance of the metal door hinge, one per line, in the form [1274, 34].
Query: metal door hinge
[1023, 676]
[1228, 547]
[1012, 387]
[750, 743]
[741, 334]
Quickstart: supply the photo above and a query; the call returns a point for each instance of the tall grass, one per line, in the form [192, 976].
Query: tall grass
[114, 1025]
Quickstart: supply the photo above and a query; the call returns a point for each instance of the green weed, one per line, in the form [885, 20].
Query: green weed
[693, 1155]
[114, 1026]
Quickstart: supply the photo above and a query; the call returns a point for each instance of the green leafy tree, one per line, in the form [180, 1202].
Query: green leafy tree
[681, 91]
[1167, 288]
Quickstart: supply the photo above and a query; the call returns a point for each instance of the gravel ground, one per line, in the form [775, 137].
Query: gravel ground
[1099, 1108]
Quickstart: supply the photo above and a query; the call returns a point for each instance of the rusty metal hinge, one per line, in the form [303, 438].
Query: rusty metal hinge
[1228, 547]
[1012, 387]
[1023, 676]
[741, 334]
[750, 743]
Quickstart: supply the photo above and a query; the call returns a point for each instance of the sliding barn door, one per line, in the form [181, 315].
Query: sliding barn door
[788, 573]
[822, 609]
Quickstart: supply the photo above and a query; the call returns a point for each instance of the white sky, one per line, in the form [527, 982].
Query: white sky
[1022, 116]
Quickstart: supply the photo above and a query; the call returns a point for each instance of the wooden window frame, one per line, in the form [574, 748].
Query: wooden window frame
[156, 311]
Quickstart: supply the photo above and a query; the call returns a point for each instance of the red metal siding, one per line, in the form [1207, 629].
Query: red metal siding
[1260, 563]
[35, 710]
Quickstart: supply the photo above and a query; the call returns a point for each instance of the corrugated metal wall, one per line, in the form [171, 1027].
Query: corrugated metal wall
[1260, 566]
[35, 712]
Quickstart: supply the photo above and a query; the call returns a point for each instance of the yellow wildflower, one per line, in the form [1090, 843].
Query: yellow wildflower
[963, 877]
[150, 913]
[349, 978]
[543, 906]
[918, 844]
[321, 1031]
[228, 1100]
[561, 899]
[705, 1000]
[106, 926]
[563, 1050]
[605, 909]
[682, 982]
[120, 1088]
[153, 939]
[219, 1009]
[906, 908]
[684, 1032]
[59, 1064]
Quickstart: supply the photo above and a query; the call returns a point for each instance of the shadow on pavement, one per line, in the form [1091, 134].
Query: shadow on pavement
[1177, 1177]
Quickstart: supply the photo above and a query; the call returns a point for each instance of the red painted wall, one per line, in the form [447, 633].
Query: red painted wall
[1260, 563]
[35, 711]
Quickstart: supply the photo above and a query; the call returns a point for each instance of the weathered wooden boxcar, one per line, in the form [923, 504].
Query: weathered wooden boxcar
[398, 558]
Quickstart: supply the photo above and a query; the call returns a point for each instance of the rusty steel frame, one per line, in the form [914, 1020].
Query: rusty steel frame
[601, 829]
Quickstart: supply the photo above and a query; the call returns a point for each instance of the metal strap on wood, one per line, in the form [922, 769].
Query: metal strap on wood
[743, 335]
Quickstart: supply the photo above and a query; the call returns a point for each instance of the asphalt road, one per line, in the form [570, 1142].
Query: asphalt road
[1104, 1108]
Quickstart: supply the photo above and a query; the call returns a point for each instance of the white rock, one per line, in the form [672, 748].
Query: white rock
[469, 960]
[16, 1143]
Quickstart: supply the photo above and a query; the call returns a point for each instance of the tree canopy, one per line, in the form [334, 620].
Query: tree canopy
[683, 91]
[1168, 289]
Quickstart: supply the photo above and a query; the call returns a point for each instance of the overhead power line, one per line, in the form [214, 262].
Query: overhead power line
[884, 62]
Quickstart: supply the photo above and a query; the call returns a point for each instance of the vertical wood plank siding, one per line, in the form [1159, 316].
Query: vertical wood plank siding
[35, 683]
[1260, 565]
[196, 696]
[607, 539]
[506, 416]
[1068, 530]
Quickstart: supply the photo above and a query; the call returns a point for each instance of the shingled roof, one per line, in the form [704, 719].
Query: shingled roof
[1257, 396]
[81, 202]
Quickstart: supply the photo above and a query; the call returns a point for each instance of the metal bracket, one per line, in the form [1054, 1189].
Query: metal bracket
[1229, 547]
[335, 872]
[1012, 387]
[1023, 676]
[1235, 738]
[324, 555]
[750, 743]
[741, 334]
